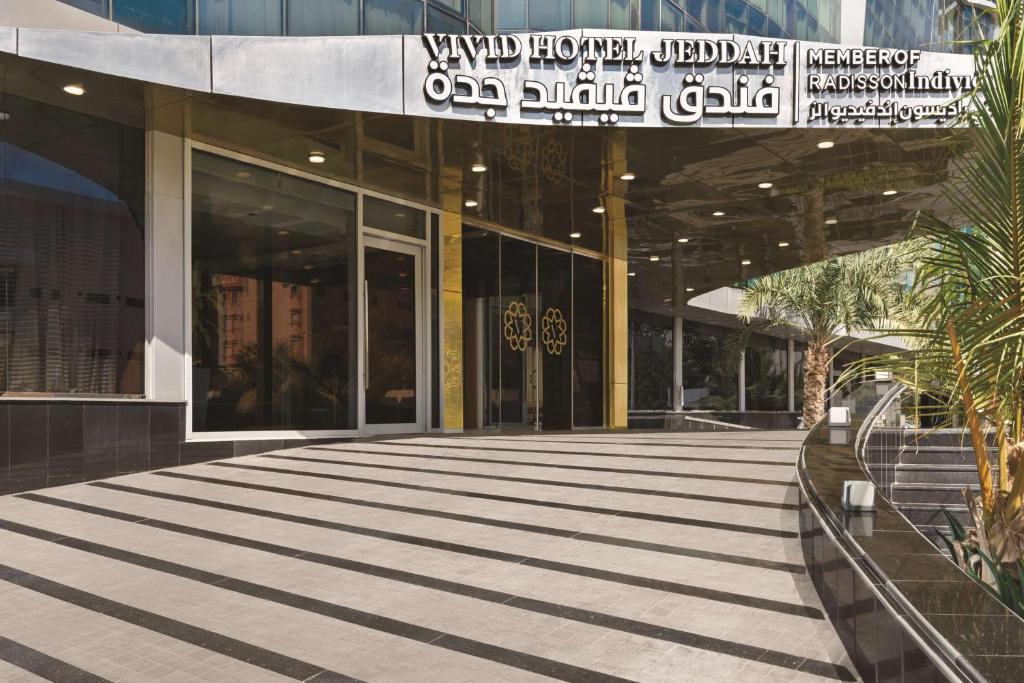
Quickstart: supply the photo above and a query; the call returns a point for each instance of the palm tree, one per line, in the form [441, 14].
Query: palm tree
[827, 301]
[967, 351]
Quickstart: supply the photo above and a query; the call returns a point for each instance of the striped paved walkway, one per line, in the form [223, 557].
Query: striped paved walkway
[579, 557]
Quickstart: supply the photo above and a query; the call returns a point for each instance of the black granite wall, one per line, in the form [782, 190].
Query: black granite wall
[881, 647]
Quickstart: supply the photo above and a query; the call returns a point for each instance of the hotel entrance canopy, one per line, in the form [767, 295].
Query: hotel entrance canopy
[700, 159]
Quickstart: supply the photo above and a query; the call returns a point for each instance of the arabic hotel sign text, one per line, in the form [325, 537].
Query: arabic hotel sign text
[684, 80]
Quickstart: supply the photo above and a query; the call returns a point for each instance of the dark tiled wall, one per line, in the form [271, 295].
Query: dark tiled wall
[879, 645]
[54, 442]
[50, 443]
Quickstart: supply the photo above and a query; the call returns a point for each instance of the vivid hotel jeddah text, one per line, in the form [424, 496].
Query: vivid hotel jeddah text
[648, 79]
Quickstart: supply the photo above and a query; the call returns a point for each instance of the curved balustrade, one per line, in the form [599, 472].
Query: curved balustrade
[902, 609]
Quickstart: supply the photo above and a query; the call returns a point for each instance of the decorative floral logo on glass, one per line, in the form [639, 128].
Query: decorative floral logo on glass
[518, 326]
[554, 331]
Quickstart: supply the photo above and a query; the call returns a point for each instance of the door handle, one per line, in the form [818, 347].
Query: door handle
[366, 335]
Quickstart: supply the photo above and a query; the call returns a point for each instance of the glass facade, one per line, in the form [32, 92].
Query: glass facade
[650, 361]
[533, 334]
[710, 371]
[296, 17]
[72, 278]
[273, 300]
[938, 25]
[765, 369]
[928, 24]
[802, 19]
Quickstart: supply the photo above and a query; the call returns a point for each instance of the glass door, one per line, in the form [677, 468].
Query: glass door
[393, 388]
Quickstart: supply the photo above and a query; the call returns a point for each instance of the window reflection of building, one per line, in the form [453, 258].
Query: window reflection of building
[934, 25]
[273, 311]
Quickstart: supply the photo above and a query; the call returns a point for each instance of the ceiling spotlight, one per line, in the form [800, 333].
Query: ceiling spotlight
[689, 289]
[831, 221]
[745, 262]
[470, 203]
[400, 214]
[598, 209]
[242, 174]
[75, 89]
[631, 274]
[655, 259]
[667, 300]
[826, 144]
[317, 158]
[308, 266]
[683, 240]
[765, 186]
[783, 244]
[315, 281]
[628, 175]
[296, 251]
[282, 232]
[5, 116]
[718, 214]
[575, 235]
[889, 193]
[478, 167]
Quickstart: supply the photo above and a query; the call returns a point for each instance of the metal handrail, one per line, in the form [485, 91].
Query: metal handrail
[885, 475]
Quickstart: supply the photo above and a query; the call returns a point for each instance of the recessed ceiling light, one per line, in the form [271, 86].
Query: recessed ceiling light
[826, 144]
[296, 251]
[718, 214]
[282, 232]
[783, 244]
[598, 209]
[667, 300]
[575, 235]
[831, 221]
[400, 214]
[683, 240]
[75, 89]
[765, 186]
[655, 259]
[889, 193]
[631, 274]
[628, 175]
[478, 167]
[5, 116]
[267, 207]
[470, 203]
[745, 262]
[315, 281]
[308, 266]
[242, 174]
[317, 158]
[689, 289]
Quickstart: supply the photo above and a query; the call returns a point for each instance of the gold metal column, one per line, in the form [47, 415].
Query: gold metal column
[451, 307]
[452, 357]
[617, 284]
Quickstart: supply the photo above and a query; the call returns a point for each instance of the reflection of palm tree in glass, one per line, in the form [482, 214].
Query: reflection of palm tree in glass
[769, 390]
[313, 395]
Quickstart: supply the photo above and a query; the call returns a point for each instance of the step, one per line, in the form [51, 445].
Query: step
[925, 514]
[934, 533]
[941, 456]
[936, 494]
[965, 475]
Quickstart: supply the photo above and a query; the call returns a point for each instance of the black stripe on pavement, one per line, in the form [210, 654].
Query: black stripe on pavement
[554, 465]
[474, 551]
[646, 516]
[179, 630]
[631, 626]
[406, 443]
[422, 634]
[527, 480]
[43, 665]
[746, 446]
